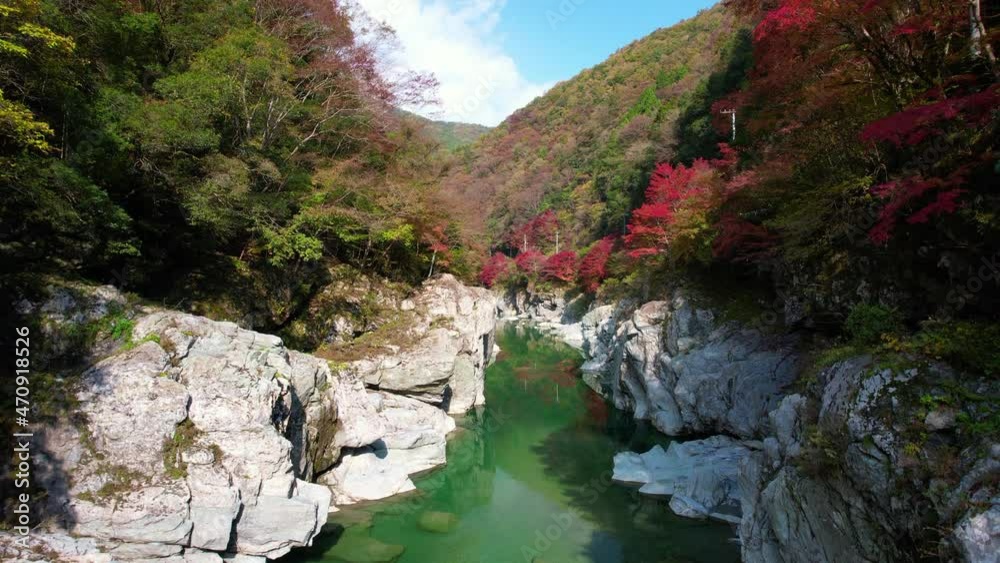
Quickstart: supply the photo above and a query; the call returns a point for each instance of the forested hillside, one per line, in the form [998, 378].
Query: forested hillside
[237, 158]
[451, 134]
[859, 188]
[585, 149]
[215, 152]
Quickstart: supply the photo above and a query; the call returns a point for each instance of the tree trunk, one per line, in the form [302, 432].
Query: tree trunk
[978, 45]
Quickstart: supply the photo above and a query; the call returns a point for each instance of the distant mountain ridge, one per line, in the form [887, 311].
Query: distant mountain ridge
[451, 134]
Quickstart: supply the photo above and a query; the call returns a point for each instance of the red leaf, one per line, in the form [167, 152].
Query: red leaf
[594, 265]
[496, 269]
[561, 266]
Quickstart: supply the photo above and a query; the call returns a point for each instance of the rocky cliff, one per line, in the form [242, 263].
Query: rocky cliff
[189, 439]
[862, 460]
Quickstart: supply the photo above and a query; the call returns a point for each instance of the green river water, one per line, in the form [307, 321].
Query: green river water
[527, 479]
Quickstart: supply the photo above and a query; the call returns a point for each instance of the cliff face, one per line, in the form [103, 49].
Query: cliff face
[198, 438]
[860, 462]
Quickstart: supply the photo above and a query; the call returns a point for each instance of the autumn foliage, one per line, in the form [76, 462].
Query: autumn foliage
[561, 267]
[530, 262]
[861, 125]
[672, 189]
[538, 232]
[496, 269]
[594, 264]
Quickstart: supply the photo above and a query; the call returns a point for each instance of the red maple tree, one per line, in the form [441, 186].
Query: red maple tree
[561, 267]
[538, 232]
[594, 264]
[496, 269]
[530, 262]
[671, 188]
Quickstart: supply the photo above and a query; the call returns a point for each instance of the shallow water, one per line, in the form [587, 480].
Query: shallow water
[527, 479]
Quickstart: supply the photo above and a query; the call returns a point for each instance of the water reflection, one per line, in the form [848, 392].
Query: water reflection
[527, 479]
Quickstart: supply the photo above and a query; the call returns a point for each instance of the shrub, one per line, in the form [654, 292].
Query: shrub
[969, 345]
[867, 323]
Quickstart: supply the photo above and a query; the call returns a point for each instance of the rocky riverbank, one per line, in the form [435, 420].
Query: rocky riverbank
[188, 439]
[858, 460]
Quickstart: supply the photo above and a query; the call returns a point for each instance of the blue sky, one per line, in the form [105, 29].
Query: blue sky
[494, 56]
[553, 40]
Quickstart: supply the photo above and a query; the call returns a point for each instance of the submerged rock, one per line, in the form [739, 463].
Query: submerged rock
[437, 522]
[356, 546]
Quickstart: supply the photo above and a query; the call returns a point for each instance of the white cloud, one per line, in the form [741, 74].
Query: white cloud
[457, 42]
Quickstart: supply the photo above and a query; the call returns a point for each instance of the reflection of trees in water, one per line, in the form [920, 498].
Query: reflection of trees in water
[575, 441]
[466, 481]
[643, 528]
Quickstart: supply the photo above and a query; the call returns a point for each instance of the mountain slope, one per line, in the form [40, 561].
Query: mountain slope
[585, 148]
[451, 134]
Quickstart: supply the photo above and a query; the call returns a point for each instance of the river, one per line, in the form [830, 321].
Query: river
[527, 479]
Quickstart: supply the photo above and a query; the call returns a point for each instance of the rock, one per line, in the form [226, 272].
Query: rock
[319, 495]
[674, 364]
[783, 523]
[211, 465]
[701, 475]
[198, 556]
[630, 467]
[787, 425]
[48, 546]
[274, 525]
[215, 505]
[241, 558]
[569, 334]
[150, 513]
[853, 466]
[437, 522]
[414, 441]
[940, 419]
[683, 505]
[978, 535]
[445, 366]
[234, 426]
